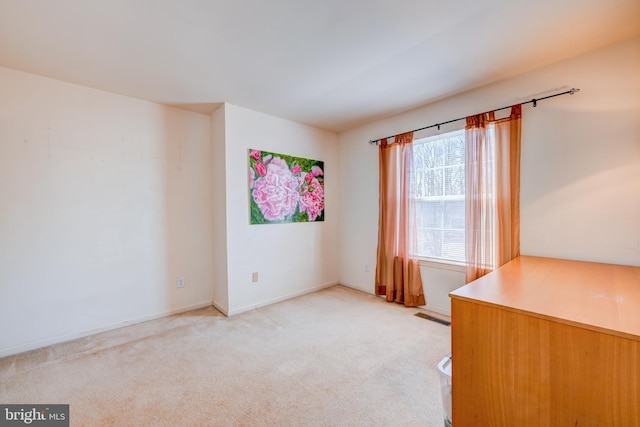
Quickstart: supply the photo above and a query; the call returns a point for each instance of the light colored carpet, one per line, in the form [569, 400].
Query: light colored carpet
[337, 357]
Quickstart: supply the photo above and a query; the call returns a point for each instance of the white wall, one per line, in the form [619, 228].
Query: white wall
[290, 259]
[581, 162]
[219, 214]
[104, 201]
[580, 191]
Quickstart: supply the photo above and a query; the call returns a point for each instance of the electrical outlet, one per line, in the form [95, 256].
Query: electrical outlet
[366, 268]
[254, 276]
[180, 283]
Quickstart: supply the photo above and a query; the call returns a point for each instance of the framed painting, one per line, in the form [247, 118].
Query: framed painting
[285, 188]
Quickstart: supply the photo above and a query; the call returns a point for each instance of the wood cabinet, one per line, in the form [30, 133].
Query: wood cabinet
[547, 342]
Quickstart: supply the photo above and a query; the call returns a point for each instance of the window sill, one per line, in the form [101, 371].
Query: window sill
[443, 265]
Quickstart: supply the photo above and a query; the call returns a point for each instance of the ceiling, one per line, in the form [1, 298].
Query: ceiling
[333, 64]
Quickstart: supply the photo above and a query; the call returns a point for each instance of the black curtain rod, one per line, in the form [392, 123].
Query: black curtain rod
[534, 101]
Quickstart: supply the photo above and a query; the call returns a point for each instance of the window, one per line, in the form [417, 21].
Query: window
[439, 197]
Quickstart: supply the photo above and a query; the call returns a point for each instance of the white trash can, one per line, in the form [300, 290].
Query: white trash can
[444, 368]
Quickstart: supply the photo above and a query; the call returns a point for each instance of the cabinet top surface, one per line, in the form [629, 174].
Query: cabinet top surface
[604, 297]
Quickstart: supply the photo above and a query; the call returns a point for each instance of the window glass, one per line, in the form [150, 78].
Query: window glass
[439, 180]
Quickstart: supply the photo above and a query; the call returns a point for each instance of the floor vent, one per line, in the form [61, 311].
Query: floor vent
[435, 319]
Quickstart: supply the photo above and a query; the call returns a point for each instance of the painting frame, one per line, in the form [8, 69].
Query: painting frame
[285, 189]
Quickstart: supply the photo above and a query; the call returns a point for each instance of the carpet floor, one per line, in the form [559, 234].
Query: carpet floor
[336, 357]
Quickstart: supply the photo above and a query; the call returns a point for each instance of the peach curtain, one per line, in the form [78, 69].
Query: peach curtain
[492, 180]
[397, 275]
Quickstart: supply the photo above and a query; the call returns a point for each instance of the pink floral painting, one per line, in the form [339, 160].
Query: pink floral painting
[284, 188]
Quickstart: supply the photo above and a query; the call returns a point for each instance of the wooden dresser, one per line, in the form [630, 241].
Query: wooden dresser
[547, 342]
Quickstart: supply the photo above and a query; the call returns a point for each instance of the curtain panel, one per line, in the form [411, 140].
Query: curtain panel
[397, 275]
[492, 191]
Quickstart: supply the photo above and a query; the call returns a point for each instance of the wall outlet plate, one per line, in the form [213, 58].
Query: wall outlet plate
[180, 283]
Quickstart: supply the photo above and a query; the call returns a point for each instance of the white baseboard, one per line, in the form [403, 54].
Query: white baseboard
[220, 309]
[438, 310]
[250, 307]
[21, 348]
[358, 288]
[430, 307]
